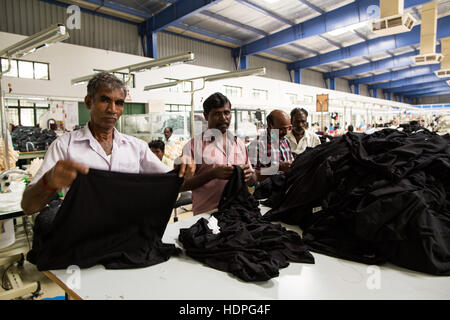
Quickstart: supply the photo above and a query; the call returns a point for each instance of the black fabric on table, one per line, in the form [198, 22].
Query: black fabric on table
[385, 197]
[247, 246]
[109, 218]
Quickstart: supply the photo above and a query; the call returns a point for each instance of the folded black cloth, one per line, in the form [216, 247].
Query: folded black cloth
[373, 198]
[110, 218]
[246, 246]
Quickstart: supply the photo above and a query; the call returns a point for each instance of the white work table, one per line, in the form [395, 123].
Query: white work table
[183, 278]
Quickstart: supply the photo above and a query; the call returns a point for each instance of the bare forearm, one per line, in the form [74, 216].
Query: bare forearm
[35, 197]
[197, 180]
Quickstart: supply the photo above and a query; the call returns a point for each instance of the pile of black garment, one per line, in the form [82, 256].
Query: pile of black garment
[40, 139]
[246, 246]
[375, 198]
[109, 218]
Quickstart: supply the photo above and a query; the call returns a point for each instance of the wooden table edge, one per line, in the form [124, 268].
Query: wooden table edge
[62, 285]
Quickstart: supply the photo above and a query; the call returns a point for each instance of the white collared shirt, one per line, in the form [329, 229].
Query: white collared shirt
[309, 139]
[129, 154]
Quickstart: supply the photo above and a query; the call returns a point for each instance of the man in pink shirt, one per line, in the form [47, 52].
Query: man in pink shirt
[98, 145]
[214, 152]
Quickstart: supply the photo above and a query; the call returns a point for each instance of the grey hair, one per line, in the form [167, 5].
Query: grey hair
[108, 80]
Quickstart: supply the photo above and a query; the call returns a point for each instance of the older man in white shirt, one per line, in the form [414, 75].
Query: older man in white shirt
[299, 137]
[98, 145]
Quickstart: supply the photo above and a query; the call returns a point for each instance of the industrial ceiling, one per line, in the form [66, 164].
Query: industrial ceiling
[330, 36]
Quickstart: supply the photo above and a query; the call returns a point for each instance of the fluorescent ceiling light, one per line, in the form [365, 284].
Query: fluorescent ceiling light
[271, 1]
[42, 39]
[236, 74]
[213, 77]
[143, 66]
[162, 85]
[162, 62]
[345, 29]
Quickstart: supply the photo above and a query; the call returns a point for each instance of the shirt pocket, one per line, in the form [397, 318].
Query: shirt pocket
[129, 167]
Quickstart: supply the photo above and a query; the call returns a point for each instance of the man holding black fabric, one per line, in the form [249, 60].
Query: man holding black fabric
[215, 151]
[98, 145]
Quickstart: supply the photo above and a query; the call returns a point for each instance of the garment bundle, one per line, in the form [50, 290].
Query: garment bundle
[110, 218]
[245, 245]
[375, 198]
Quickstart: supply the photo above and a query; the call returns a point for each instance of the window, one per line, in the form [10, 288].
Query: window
[25, 113]
[185, 86]
[292, 97]
[260, 94]
[309, 99]
[231, 91]
[129, 81]
[178, 108]
[41, 71]
[26, 69]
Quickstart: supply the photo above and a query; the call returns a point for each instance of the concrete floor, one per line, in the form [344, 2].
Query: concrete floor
[29, 273]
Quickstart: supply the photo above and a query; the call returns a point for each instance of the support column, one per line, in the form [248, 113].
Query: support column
[389, 96]
[332, 83]
[298, 75]
[244, 62]
[152, 45]
[356, 88]
[374, 93]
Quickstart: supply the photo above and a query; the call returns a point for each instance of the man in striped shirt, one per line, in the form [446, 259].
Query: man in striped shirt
[270, 153]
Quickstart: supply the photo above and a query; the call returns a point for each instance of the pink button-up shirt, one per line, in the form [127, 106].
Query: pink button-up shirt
[209, 152]
[129, 154]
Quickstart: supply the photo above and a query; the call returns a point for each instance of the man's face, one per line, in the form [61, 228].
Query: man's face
[219, 118]
[158, 152]
[167, 133]
[106, 107]
[299, 122]
[283, 124]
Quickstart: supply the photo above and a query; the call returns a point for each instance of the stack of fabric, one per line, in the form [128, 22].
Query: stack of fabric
[40, 139]
[240, 241]
[373, 198]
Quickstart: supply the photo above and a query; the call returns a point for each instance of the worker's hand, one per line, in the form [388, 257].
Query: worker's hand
[248, 172]
[64, 173]
[186, 165]
[223, 172]
[284, 166]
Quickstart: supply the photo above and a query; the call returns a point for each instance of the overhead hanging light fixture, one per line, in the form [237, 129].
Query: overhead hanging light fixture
[45, 38]
[42, 39]
[213, 77]
[143, 66]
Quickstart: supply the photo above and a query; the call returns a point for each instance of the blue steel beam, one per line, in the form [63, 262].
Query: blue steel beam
[425, 91]
[401, 60]
[406, 82]
[397, 75]
[355, 12]
[372, 46]
[176, 12]
[430, 94]
[421, 86]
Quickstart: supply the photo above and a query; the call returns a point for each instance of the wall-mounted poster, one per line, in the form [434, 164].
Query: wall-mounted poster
[322, 103]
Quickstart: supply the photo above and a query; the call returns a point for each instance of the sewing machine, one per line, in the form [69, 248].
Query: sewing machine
[15, 238]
